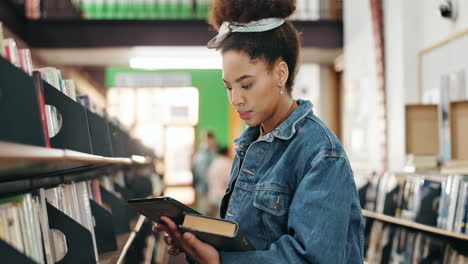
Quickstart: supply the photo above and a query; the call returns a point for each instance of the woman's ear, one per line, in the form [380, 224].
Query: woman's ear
[282, 72]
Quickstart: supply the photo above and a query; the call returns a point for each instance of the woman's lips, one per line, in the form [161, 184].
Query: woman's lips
[244, 114]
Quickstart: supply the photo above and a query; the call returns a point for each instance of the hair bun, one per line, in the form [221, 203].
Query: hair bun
[245, 11]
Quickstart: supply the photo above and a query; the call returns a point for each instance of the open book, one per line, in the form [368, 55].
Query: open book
[220, 233]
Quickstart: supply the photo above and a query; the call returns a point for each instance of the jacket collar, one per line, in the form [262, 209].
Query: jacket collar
[284, 131]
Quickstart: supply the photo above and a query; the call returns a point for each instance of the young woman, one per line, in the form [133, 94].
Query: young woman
[291, 189]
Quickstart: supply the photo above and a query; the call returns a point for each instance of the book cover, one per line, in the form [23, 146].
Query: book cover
[222, 234]
[155, 208]
[427, 208]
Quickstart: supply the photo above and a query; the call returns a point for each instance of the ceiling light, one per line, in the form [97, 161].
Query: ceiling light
[161, 63]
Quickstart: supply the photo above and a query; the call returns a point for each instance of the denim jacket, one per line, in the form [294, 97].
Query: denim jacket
[293, 194]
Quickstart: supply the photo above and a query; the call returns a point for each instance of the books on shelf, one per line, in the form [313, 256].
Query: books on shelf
[453, 203]
[70, 89]
[416, 163]
[433, 199]
[418, 199]
[84, 100]
[220, 233]
[20, 225]
[394, 244]
[11, 51]
[32, 9]
[52, 76]
[25, 61]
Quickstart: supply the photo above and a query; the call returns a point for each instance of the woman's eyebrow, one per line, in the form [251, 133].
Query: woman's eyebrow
[243, 77]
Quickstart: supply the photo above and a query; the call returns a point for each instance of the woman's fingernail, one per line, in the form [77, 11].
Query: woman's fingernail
[187, 236]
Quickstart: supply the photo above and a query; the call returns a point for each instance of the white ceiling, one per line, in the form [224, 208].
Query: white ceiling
[121, 56]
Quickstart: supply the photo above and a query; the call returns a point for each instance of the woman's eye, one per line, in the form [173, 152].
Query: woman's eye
[228, 87]
[247, 86]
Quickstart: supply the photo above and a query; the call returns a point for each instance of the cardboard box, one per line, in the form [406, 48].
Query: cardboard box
[459, 130]
[422, 129]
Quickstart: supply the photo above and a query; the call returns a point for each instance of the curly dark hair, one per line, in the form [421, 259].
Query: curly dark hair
[282, 42]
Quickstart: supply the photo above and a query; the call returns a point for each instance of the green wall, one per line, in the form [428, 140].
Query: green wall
[214, 105]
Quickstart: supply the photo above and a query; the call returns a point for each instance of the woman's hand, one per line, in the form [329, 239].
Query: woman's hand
[187, 242]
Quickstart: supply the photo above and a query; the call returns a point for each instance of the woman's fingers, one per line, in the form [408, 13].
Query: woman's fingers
[173, 251]
[168, 240]
[159, 227]
[172, 229]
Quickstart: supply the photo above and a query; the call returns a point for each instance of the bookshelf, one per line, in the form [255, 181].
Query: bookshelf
[83, 159]
[413, 225]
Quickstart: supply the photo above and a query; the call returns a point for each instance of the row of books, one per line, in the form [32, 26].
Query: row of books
[177, 9]
[432, 199]
[389, 244]
[152, 9]
[24, 220]
[21, 58]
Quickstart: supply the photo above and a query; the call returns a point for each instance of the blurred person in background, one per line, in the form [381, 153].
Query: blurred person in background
[218, 175]
[201, 161]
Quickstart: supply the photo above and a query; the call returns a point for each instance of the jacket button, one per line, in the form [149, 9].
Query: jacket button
[278, 205]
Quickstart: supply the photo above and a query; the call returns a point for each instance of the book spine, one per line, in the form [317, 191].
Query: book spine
[25, 61]
[4, 235]
[459, 211]
[440, 220]
[15, 228]
[453, 202]
[85, 211]
[96, 191]
[34, 207]
[42, 106]
[464, 220]
[11, 51]
[56, 198]
[47, 236]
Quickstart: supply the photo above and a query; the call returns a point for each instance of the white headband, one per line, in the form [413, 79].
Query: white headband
[254, 26]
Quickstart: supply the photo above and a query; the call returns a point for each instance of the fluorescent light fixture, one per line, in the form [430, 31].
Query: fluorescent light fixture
[155, 63]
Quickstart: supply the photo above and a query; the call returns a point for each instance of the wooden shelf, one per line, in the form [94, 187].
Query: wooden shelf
[18, 160]
[407, 223]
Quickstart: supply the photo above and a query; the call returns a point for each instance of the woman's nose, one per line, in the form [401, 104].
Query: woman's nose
[237, 97]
